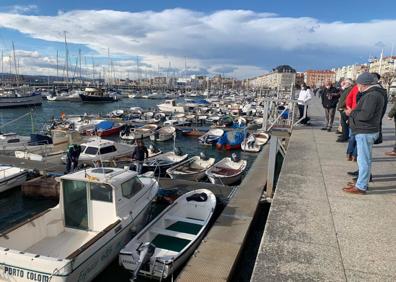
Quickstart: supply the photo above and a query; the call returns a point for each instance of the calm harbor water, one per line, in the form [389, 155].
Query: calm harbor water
[14, 208]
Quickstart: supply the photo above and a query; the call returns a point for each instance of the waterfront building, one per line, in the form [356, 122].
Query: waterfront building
[316, 78]
[350, 71]
[282, 77]
[383, 65]
[300, 78]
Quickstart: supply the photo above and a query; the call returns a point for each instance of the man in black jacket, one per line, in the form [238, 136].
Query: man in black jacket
[138, 154]
[365, 121]
[346, 87]
[330, 96]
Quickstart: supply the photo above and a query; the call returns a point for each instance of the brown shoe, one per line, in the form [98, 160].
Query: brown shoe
[392, 154]
[349, 158]
[354, 159]
[353, 190]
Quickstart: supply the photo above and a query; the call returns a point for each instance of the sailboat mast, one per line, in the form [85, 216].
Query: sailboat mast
[2, 67]
[57, 64]
[93, 70]
[67, 62]
[15, 65]
[79, 57]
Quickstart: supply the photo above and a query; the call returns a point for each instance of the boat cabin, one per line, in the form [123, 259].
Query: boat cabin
[94, 199]
[101, 147]
[170, 102]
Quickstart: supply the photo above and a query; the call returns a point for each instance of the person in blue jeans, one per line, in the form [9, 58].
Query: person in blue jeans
[365, 123]
[351, 149]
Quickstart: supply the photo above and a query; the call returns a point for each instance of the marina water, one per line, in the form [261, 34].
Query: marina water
[14, 208]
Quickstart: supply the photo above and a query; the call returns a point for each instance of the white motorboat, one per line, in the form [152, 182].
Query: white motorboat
[170, 106]
[192, 169]
[73, 96]
[19, 98]
[211, 137]
[102, 150]
[139, 132]
[254, 142]
[171, 238]
[162, 162]
[82, 124]
[98, 211]
[163, 134]
[38, 143]
[11, 177]
[12, 140]
[226, 171]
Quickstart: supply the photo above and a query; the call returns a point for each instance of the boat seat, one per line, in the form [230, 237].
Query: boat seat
[174, 234]
[185, 219]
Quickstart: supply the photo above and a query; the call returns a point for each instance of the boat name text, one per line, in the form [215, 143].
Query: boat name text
[29, 275]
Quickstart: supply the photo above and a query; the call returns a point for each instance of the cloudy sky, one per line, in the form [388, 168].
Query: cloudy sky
[235, 38]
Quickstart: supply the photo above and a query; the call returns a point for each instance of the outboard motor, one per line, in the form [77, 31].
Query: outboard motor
[203, 156]
[178, 151]
[235, 157]
[145, 251]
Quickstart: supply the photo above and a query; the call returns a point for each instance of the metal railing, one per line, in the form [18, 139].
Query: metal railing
[281, 113]
[275, 147]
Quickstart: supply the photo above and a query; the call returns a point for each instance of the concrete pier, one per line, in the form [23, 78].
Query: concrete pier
[317, 232]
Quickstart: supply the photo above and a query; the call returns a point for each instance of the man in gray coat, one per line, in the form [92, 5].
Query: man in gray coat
[365, 123]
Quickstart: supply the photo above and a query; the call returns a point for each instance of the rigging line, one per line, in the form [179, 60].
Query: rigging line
[14, 120]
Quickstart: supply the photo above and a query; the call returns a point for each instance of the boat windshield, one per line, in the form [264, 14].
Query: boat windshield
[107, 150]
[91, 151]
[75, 204]
[131, 187]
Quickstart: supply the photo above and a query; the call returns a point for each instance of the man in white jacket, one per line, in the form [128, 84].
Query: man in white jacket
[304, 97]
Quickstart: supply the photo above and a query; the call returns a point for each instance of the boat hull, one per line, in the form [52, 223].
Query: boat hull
[109, 132]
[13, 181]
[191, 177]
[161, 138]
[97, 99]
[224, 180]
[14, 102]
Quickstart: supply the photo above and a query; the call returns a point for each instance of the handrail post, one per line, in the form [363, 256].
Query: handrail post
[265, 116]
[273, 150]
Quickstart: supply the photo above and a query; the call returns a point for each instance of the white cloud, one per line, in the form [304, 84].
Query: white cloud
[245, 42]
[20, 9]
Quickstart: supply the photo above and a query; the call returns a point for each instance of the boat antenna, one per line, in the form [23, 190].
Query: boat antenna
[31, 119]
[174, 141]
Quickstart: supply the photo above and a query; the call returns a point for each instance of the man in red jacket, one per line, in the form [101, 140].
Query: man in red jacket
[350, 104]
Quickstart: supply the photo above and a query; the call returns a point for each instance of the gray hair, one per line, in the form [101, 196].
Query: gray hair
[348, 80]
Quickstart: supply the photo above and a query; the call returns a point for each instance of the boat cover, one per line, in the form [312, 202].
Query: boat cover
[104, 125]
[231, 138]
[198, 197]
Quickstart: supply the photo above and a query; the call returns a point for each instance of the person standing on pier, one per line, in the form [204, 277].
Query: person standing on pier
[346, 86]
[365, 122]
[139, 153]
[304, 96]
[392, 115]
[330, 96]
